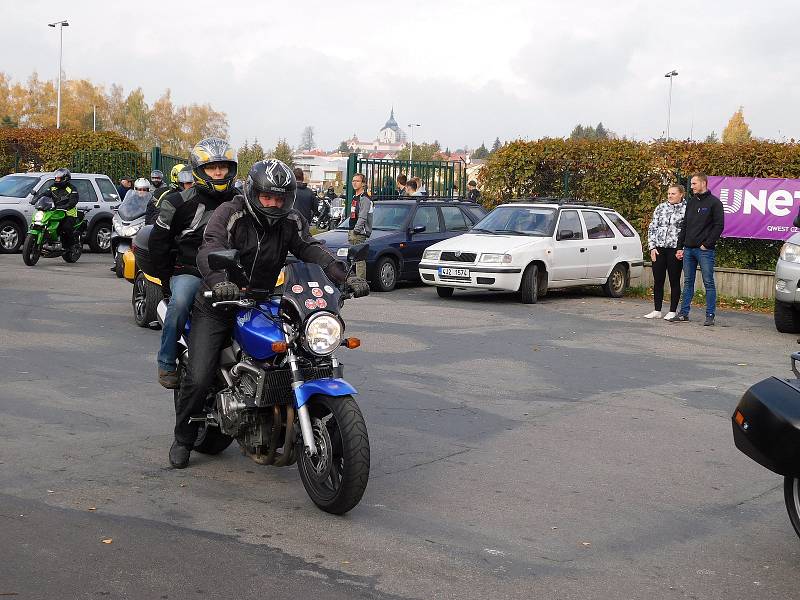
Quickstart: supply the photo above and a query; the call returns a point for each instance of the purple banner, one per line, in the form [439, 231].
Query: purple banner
[757, 208]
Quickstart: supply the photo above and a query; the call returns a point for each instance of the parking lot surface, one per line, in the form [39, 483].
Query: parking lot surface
[568, 449]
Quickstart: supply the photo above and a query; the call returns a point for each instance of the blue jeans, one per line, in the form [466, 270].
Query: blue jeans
[183, 288]
[691, 258]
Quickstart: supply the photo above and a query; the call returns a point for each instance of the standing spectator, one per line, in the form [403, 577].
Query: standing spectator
[125, 184]
[473, 194]
[402, 180]
[662, 240]
[704, 222]
[361, 209]
[305, 201]
[411, 188]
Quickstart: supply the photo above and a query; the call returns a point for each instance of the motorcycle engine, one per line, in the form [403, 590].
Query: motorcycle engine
[234, 401]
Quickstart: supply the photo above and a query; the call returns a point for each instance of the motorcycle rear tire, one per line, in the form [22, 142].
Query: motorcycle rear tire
[210, 440]
[791, 495]
[72, 255]
[348, 448]
[147, 295]
[119, 266]
[31, 251]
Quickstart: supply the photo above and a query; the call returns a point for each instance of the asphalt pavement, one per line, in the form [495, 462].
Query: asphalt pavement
[569, 449]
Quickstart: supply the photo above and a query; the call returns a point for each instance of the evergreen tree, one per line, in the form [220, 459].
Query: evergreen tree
[343, 147]
[283, 152]
[600, 132]
[307, 139]
[480, 152]
[497, 145]
[578, 132]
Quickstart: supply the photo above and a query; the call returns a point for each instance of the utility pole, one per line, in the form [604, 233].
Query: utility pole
[411, 151]
[61, 25]
[670, 75]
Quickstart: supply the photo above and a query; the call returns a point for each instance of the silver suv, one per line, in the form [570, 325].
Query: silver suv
[97, 198]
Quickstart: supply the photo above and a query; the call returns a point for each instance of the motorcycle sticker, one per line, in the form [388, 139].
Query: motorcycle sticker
[297, 289]
[321, 303]
[316, 292]
[310, 304]
[313, 284]
[328, 289]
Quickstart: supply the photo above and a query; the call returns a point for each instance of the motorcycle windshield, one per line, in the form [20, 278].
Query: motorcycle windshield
[44, 203]
[308, 289]
[134, 206]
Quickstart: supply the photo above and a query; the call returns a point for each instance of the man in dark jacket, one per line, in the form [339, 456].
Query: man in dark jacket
[262, 226]
[65, 197]
[175, 186]
[697, 237]
[473, 193]
[176, 238]
[125, 184]
[305, 200]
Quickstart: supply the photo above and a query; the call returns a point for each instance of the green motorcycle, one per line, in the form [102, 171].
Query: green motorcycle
[43, 240]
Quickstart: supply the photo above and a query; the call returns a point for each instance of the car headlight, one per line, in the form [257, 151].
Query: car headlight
[38, 217]
[323, 333]
[342, 251]
[495, 258]
[431, 254]
[790, 252]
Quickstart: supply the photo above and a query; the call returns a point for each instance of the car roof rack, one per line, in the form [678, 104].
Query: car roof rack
[561, 202]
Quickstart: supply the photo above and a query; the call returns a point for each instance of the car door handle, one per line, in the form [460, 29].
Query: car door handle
[97, 206]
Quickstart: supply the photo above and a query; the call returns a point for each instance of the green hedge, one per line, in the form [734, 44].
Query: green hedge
[632, 177]
[48, 149]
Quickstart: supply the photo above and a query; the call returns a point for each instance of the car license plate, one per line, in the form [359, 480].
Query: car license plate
[450, 272]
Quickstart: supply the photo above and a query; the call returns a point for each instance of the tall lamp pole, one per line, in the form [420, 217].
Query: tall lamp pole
[60, 25]
[670, 75]
[411, 151]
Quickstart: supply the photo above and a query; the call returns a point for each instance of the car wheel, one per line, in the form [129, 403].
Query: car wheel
[617, 282]
[385, 274]
[787, 319]
[12, 235]
[100, 237]
[444, 292]
[529, 288]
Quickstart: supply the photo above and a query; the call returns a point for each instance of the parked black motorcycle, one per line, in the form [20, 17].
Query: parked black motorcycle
[766, 427]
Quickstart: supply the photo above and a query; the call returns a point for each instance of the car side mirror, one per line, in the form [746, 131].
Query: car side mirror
[417, 229]
[566, 234]
[358, 252]
[224, 260]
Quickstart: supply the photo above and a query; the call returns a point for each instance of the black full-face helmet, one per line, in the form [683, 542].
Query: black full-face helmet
[157, 177]
[271, 177]
[65, 176]
[208, 151]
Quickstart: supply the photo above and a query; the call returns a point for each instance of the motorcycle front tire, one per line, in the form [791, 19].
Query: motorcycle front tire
[791, 496]
[337, 477]
[31, 250]
[72, 255]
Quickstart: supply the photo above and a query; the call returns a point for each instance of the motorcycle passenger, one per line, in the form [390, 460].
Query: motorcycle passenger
[263, 227]
[176, 238]
[157, 177]
[160, 193]
[64, 197]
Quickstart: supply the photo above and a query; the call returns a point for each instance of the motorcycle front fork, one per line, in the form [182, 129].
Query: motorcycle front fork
[302, 413]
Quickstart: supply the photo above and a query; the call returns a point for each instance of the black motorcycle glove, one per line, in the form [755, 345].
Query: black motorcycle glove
[358, 287]
[336, 270]
[225, 290]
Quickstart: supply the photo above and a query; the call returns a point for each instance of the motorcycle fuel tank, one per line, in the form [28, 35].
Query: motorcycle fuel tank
[255, 333]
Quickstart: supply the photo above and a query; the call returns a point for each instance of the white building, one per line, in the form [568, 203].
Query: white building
[322, 171]
[391, 139]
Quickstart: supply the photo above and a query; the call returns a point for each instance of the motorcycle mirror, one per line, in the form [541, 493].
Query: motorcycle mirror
[358, 252]
[224, 260]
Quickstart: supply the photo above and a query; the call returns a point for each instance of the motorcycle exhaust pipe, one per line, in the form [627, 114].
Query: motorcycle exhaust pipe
[286, 456]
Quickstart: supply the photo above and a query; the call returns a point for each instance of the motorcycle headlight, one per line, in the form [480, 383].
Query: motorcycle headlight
[38, 216]
[431, 254]
[495, 258]
[790, 252]
[129, 231]
[323, 333]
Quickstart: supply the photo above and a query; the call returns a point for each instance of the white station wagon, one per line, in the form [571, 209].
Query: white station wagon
[531, 246]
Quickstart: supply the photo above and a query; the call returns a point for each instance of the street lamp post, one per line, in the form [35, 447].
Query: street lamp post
[60, 25]
[670, 75]
[411, 151]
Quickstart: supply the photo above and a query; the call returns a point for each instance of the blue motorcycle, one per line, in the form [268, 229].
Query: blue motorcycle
[280, 392]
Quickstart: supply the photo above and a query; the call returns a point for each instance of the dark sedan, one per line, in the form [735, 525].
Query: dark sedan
[401, 230]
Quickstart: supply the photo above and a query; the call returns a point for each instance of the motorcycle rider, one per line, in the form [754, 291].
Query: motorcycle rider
[263, 227]
[157, 177]
[64, 197]
[182, 218]
[160, 193]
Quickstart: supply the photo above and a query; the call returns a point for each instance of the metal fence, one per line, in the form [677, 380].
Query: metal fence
[442, 179]
[118, 163]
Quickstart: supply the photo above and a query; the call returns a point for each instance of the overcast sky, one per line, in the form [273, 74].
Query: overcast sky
[468, 71]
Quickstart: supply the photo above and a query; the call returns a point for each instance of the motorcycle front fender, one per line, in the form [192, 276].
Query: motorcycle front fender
[37, 231]
[326, 387]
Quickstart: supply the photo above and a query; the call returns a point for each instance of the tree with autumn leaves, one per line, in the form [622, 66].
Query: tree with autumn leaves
[172, 127]
[737, 131]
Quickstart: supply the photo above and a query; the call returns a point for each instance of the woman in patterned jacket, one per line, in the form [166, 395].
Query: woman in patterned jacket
[662, 240]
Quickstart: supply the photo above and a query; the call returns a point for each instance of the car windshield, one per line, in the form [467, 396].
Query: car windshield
[134, 205]
[385, 217]
[518, 220]
[17, 186]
